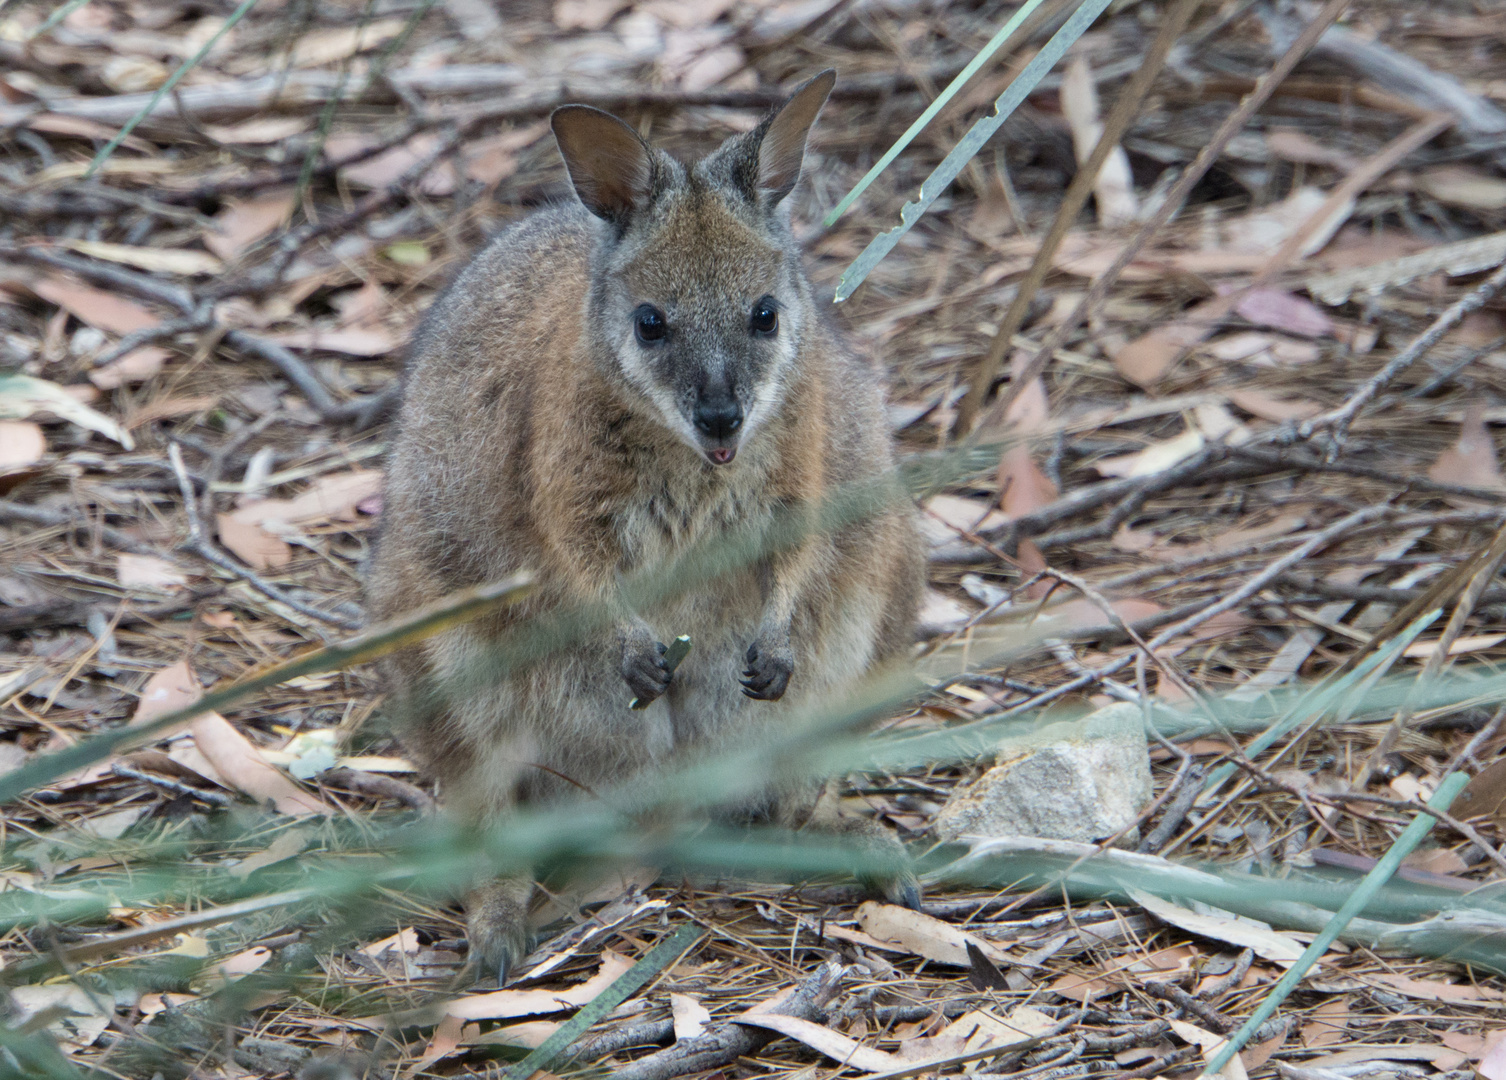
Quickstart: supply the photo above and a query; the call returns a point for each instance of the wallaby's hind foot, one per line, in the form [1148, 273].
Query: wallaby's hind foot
[496, 917]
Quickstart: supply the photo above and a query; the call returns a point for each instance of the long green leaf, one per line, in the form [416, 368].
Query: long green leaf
[953, 164]
[166, 88]
[1405, 843]
[984, 56]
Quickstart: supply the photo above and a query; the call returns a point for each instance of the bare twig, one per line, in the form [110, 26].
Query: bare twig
[199, 543]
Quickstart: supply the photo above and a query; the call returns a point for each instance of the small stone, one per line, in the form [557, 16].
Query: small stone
[1082, 780]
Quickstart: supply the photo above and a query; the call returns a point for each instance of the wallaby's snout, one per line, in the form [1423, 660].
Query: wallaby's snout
[718, 417]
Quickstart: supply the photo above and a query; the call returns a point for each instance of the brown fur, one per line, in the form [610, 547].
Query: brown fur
[523, 443]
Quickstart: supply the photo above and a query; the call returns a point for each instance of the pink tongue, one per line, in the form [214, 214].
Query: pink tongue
[721, 457]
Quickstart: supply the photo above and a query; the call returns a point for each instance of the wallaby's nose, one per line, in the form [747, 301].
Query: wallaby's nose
[718, 418]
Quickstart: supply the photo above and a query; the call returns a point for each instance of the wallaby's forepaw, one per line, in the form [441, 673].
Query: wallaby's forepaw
[497, 927]
[644, 668]
[767, 675]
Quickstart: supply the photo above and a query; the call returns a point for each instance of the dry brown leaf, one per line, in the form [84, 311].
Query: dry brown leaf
[1460, 185]
[97, 308]
[1245, 933]
[258, 131]
[1435, 990]
[1023, 487]
[1209, 1044]
[157, 260]
[503, 1004]
[333, 497]
[168, 690]
[923, 935]
[288, 844]
[587, 14]
[1492, 1064]
[254, 546]
[823, 1039]
[241, 765]
[1114, 187]
[318, 47]
[1421, 650]
[21, 443]
[241, 223]
[1292, 144]
[1269, 407]
[1157, 457]
[1485, 794]
[1328, 1024]
[1436, 861]
[136, 366]
[1472, 460]
[148, 571]
[362, 341]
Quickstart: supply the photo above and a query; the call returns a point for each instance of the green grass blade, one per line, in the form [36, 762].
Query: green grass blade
[166, 88]
[627, 984]
[1405, 843]
[56, 17]
[953, 164]
[984, 56]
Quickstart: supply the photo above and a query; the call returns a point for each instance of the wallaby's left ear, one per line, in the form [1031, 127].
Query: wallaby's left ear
[783, 146]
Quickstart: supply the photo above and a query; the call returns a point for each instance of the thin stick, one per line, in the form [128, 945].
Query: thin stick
[199, 544]
[1338, 420]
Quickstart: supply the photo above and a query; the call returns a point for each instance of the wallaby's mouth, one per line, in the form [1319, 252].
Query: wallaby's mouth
[722, 455]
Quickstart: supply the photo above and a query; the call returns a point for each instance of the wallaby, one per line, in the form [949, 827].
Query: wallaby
[605, 385]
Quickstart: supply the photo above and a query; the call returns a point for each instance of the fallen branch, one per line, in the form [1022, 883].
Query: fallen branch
[726, 1043]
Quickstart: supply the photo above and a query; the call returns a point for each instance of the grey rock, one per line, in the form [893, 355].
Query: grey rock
[1081, 780]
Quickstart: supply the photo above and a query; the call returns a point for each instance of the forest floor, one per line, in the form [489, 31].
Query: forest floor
[1241, 454]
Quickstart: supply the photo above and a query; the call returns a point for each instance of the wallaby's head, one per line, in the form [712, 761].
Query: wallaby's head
[697, 303]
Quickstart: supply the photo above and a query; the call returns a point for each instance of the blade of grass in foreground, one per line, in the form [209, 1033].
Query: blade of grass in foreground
[1405, 843]
[166, 88]
[971, 143]
[378, 641]
[984, 56]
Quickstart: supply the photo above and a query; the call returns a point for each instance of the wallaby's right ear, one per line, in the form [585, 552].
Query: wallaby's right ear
[611, 167]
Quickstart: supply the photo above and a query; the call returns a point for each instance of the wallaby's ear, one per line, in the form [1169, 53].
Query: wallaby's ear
[783, 146]
[611, 167]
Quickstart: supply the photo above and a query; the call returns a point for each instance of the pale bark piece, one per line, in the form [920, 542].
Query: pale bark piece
[923, 935]
[1236, 930]
[503, 1004]
[1374, 278]
[1113, 188]
[21, 443]
[181, 261]
[81, 1021]
[148, 571]
[690, 1016]
[833, 1044]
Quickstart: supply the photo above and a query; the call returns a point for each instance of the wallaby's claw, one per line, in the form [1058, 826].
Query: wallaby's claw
[645, 671]
[497, 927]
[909, 895]
[767, 675]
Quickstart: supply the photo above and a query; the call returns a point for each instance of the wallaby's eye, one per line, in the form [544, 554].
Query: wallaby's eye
[649, 324]
[765, 317]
